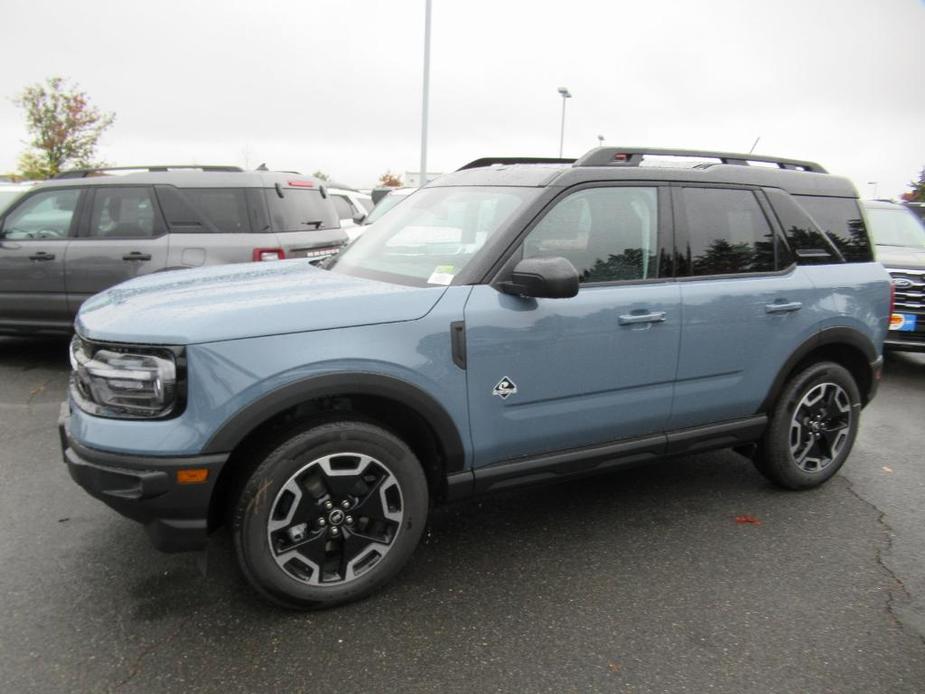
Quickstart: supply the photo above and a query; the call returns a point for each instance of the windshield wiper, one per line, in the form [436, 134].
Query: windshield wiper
[316, 224]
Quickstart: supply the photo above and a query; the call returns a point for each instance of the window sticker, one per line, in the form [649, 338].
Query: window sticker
[442, 274]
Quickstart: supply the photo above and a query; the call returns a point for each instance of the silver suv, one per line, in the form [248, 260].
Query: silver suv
[83, 232]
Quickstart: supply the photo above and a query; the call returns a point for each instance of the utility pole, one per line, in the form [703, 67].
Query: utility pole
[423, 177]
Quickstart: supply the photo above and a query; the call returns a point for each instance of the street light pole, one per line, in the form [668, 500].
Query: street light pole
[565, 95]
[423, 175]
[874, 184]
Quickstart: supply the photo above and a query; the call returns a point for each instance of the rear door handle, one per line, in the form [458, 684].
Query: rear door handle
[135, 255]
[42, 255]
[633, 318]
[784, 307]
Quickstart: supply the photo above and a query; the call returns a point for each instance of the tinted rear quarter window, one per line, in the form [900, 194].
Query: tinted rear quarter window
[805, 238]
[728, 232]
[841, 220]
[226, 208]
[213, 210]
[300, 210]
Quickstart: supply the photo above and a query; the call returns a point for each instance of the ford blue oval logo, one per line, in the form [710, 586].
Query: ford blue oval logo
[902, 283]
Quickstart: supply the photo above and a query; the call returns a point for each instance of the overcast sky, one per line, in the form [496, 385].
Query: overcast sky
[336, 86]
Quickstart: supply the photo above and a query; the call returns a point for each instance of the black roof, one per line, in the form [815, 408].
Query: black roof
[796, 176]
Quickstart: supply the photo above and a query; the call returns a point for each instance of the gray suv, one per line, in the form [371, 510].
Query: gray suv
[84, 232]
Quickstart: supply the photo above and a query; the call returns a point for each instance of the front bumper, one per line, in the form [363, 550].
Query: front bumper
[145, 489]
[910, 342]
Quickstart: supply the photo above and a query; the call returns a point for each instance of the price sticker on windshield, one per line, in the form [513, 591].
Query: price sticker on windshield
[442, 274]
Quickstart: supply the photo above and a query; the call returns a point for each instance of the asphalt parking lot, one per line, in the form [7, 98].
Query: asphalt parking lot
[640, 581]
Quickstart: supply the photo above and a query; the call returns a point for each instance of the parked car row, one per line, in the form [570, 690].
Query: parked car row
[69, 238]
[508, 323]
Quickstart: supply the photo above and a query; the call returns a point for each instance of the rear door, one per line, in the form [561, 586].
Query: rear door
[121, 236]
[34, 238]
[746, 305]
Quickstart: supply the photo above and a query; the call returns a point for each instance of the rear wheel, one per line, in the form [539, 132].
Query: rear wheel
[330, 515]
[812, 428]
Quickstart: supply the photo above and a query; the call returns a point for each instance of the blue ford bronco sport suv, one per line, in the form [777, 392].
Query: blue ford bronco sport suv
[509, 323]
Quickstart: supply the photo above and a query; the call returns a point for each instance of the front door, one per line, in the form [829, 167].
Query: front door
[34, 238]
[124, 237]
[554, 374]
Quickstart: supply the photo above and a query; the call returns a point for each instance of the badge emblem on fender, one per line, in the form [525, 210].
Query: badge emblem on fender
[505, 388]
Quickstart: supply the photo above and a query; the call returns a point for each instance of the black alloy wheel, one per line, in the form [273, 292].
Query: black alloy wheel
[330, 515]
[335, 519]
[812, 427]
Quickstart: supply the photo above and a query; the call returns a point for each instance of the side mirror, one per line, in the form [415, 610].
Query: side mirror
[542, 278]
[358, 219]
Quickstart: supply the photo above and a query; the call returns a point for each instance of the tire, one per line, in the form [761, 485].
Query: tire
[330, 515]
[812, 427]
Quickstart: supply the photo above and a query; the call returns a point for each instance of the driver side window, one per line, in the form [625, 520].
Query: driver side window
[45, 215]
[608, 234]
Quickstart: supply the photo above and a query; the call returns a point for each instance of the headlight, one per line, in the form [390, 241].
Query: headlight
[126, 381]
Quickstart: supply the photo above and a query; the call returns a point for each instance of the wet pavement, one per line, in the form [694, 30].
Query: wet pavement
[638, 581]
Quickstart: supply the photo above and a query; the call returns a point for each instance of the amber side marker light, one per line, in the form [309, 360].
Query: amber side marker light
[196, 475]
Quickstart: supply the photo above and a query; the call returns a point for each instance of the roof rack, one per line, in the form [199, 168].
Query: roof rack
[632, 156]
[84, 173]
[490, 161]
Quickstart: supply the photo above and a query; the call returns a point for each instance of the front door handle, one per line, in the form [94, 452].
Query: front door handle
[136, 255]
[784, 307]
[634, 318]
[42, 255]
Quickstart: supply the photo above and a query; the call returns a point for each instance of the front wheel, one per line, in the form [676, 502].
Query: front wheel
[812, 427]
[330, 515]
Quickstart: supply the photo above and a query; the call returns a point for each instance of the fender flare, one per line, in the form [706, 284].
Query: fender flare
[240, 424]
[828, 336]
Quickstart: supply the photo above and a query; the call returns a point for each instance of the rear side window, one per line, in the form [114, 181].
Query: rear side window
[728, 233]
[840, 219]
[300, 210]
[124, 213]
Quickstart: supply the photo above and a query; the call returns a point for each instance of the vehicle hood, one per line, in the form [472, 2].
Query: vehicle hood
[899, 257]
[245, 300]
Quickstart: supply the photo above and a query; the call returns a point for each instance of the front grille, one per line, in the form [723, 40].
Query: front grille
[909, 289]
[909, 297]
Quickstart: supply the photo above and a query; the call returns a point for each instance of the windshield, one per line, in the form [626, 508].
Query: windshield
[8, 196]
[896, 227]
[433, 235]
[384, 205]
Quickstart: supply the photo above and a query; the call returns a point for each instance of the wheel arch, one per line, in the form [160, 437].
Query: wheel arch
[845, 346]
[403, 408]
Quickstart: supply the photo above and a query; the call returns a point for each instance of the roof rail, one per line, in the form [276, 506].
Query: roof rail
[84, 173]
[632, 156]
[489, 161]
